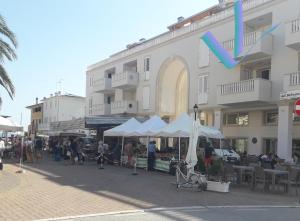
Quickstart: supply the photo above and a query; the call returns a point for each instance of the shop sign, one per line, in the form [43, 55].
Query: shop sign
[290, 95]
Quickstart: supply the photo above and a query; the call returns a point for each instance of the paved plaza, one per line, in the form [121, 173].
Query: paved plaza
[50, 189]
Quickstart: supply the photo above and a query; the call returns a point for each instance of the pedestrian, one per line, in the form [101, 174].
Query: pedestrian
[151, 155]
[74, 150]
[38, 147]
[208, 155]
[2, 147]
[29, 150]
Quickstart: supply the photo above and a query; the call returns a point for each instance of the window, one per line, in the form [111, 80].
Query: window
[237, 119]
[270, 145]
[108, 99]
[146, 97]
[202, 89]
[147, 68]
[238, 144]
[147, 64]
[203, 55]
[271, 117]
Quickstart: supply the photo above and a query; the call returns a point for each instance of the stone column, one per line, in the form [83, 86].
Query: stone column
[285, 130]
[218, 119]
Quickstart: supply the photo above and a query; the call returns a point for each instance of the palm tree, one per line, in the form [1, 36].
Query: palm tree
[7, 51]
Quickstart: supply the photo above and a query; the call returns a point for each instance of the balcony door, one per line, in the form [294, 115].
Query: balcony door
[202, 89]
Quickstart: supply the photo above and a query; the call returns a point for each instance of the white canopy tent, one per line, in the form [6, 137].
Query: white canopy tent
[147, 128]
[183, 127]
[123, 129]
[9, 125]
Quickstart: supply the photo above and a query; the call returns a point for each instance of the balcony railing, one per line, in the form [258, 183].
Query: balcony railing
[294, 79]
[247, 5]
[100, 109]
[125, 79]
[291, 81]
[119, 107]
[102, 84]
[249, 39]
[252, 90]
[237, 87]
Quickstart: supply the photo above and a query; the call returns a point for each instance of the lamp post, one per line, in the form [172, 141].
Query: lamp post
[195, 110]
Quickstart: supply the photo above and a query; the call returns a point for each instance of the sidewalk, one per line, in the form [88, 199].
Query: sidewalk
[51, 189]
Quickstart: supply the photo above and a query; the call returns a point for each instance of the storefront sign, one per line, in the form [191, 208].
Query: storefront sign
[290, 95]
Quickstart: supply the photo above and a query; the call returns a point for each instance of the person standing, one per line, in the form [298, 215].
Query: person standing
[2, 147]
[101, 151]
[38, 149]
[208, 155]
[151, 155]
[28, 148]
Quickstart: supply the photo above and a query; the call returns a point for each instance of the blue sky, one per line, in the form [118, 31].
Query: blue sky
[58, 39]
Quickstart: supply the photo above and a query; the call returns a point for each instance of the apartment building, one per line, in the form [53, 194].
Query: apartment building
[252, 104]
[61, 107]
[36, 116]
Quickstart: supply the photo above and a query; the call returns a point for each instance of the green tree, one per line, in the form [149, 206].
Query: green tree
[8, 44]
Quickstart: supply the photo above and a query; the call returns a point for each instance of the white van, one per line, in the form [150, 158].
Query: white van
[227, 155]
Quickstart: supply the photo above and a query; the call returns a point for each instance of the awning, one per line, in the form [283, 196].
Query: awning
[109, 121]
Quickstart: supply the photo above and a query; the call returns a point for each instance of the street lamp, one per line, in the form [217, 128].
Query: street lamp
[195, 110]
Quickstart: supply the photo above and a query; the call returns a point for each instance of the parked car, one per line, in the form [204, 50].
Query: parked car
[228, 155]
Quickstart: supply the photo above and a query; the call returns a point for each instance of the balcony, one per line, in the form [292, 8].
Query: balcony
[120, 107]
[253, 90]
[291, 82]
[255, 47]
[292, 34]
[125, 80]
[102, 85]
[101, 109]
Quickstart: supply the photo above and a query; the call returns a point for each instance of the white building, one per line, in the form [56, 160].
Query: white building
[61, 107]
[168, 74]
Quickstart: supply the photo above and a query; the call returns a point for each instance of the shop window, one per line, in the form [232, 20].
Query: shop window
[237, 119]
[271, 117]
[240, 145]
[296, 149]
[269, 146]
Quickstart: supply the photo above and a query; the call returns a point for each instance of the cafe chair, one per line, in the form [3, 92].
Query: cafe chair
[260, 177]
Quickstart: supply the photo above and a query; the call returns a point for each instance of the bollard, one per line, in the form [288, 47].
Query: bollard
[134, 167]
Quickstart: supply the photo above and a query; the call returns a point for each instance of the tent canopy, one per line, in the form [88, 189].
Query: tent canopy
[149, 127]
[183, 127]
[9, 125]
[123, 129]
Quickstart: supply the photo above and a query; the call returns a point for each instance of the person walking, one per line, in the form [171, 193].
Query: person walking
[2, 148]
[151, 155]
[208, 155]
[38, 147]
[29, 150]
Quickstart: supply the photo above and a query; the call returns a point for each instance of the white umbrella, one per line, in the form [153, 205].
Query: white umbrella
[191, 157]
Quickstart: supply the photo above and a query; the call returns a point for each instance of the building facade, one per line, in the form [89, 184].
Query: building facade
[61, 107]
[252, 104]
[36, 117]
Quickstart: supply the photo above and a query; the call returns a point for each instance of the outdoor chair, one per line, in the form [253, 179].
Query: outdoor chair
[294, 179]
[229, 173]
[260, 177]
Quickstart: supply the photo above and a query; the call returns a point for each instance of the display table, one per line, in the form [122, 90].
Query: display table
[141, 162]
[162, 165]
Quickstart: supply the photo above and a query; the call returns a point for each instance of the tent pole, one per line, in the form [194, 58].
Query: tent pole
[122, 151]
[147, 152]
[179, 150]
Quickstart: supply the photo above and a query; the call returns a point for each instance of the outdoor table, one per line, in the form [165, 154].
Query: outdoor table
[243, 169]
[275, 173]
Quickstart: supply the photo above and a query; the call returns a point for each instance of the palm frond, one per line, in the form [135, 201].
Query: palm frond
[6, 82]
[7, 51]
[7, 32]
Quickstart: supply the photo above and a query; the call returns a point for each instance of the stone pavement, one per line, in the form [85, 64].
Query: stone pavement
[51, 189]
